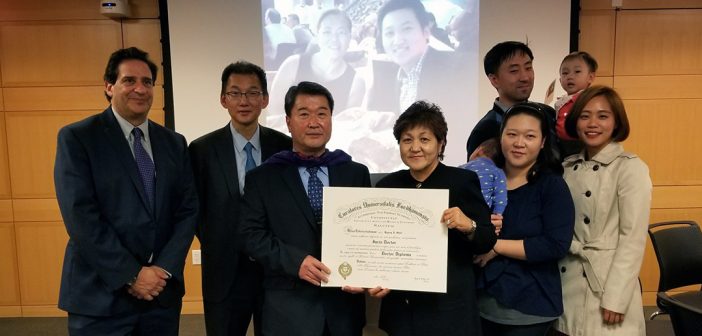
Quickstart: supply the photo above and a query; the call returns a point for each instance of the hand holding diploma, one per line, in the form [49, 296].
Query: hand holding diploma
[391, 238]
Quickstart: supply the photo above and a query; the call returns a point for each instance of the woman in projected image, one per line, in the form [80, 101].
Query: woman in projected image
[421, 133]
[325, 66]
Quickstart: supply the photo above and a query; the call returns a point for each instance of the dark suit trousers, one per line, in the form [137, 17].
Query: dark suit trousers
[148, 320]
[231, 317]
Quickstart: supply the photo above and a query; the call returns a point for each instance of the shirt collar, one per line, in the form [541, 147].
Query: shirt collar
[605, 156]
[127, 127]
[416, 70]
[240, 141]
[499, 104]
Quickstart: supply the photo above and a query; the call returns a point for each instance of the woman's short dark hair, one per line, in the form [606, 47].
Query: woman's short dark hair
[546, 160]
[621, 127]
[422, 113]
[307, 88]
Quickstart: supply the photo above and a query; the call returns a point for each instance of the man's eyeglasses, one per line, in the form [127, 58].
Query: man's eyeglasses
[236, 95]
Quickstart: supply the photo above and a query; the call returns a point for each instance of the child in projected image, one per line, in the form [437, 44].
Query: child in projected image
[493, 182]
[577, 72]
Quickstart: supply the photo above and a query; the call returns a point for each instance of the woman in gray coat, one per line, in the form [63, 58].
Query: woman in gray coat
[611, 190]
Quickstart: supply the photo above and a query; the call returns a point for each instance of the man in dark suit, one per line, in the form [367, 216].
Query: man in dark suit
[232, 282]
[126, 193]
[281, 223]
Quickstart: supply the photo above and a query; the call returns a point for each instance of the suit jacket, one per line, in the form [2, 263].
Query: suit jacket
[217, 180]
[112, 229]
[278, 229]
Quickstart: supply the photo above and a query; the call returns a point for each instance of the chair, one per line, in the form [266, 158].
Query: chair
[686, 319]
[678, 248]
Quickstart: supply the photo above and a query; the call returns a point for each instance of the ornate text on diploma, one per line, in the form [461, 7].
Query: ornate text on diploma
[385, 237]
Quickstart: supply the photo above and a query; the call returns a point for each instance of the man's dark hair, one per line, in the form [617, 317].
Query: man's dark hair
[244, 68]
[121, 55]
[426, 114]
[310, 89]
[393, 5]
[503, 51]
[273, 15]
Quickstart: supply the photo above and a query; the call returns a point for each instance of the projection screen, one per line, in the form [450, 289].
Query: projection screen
[363, 68]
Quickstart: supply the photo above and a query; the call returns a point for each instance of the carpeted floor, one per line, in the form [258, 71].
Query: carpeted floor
[194, 325]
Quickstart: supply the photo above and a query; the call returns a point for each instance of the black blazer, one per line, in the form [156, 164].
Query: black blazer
[455, 312]
[278, 229]
[217, 180]
[112, 229]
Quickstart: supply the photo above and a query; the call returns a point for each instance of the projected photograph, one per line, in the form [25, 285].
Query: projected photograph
[376, 57]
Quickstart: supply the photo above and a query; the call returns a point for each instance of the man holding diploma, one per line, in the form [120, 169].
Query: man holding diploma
[281, 226]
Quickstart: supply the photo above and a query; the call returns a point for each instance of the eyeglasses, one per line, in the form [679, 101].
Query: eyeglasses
[236, 95]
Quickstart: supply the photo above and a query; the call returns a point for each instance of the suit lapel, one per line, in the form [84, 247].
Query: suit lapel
[292, 178]
[224, 149]
[333, 177]
[124, 154]
[267, 145]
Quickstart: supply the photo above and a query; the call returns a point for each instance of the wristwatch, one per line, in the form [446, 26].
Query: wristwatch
[473, 226]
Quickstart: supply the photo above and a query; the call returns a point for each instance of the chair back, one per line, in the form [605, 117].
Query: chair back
[678, 248]
[686, 319]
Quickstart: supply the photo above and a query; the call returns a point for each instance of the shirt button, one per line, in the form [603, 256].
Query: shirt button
[563, 269]
[596, 168]
[586, 220]
[588, 193]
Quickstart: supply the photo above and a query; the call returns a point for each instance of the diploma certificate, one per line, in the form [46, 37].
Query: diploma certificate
[385, 237]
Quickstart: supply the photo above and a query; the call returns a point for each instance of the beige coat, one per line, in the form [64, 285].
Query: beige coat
[612, 196]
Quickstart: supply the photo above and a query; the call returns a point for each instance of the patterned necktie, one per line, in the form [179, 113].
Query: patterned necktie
[314, 192]
[250, 163]
[144, 164]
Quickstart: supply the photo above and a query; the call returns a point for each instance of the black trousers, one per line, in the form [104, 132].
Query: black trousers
[147, 320]
[231, 317]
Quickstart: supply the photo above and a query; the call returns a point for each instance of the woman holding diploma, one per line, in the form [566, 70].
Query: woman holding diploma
[520, 288]
[421, 133]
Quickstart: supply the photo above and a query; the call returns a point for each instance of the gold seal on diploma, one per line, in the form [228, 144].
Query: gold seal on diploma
[345, 269]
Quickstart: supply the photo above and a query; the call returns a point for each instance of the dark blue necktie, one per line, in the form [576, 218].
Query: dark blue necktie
[314, 192]
[250, 163]
[144, 164]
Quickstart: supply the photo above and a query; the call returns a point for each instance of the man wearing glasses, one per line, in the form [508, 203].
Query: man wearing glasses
[231, 281]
